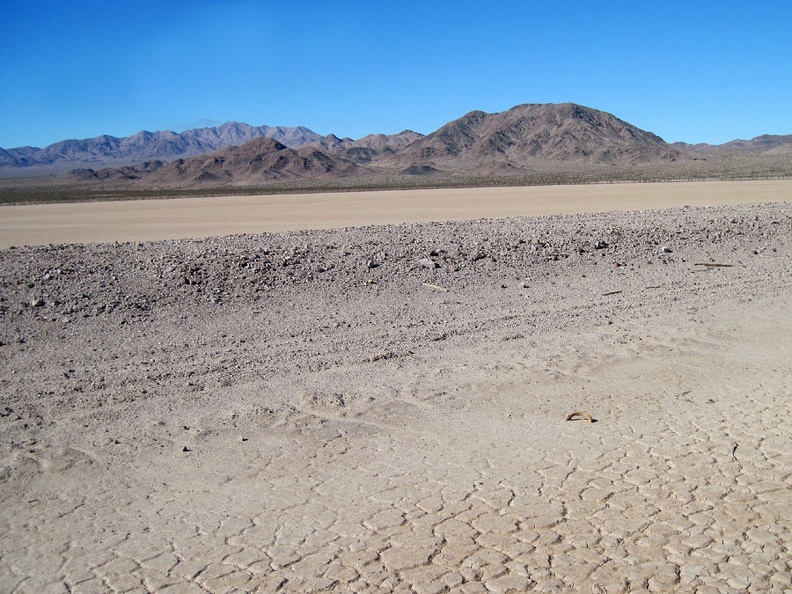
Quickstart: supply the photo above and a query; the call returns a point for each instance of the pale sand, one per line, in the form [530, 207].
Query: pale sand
[150, 220]
[276, 428]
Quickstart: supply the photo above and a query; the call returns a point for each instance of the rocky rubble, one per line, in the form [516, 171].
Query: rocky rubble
[224, 311]
[129, 281]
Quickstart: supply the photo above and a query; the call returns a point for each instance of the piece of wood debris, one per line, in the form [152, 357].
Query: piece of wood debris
[435, 287]
[713, 265]
[611, 293]
[580, 415]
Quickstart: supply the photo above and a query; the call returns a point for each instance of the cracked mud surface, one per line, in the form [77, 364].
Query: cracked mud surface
[305, 412]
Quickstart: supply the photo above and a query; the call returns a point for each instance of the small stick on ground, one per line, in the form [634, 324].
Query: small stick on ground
[583, 416]
[611, 293]
[713, 265]
[435, 287]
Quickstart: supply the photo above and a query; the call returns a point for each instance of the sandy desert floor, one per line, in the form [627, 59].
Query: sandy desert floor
[154, 220]
[383, 409]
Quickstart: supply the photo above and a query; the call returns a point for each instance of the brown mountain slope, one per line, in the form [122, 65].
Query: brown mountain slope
[255, 162]
[528, 135]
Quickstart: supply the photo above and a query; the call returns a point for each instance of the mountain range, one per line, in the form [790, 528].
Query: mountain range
[766, 144]
[524, 139]
[144, 146]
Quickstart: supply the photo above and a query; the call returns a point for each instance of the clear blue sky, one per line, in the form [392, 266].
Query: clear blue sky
[706, 71]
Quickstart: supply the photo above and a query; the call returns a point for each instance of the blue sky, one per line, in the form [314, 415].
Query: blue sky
[707, 71]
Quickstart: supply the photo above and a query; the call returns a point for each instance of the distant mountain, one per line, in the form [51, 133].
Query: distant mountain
[145, 146]
[765, 144]
[254, 163]
[512, 142]
[383, 142]
[8, 160]
[527, 138]
[125, 172]
[369, 148]
[531, 134]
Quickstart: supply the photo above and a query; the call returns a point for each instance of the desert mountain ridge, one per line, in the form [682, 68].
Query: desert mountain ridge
[764, 144]
[532, 134]
[144, 146]
[526, 138]
[260, 160]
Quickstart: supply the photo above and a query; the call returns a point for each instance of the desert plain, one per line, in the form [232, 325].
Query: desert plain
[376, 397]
